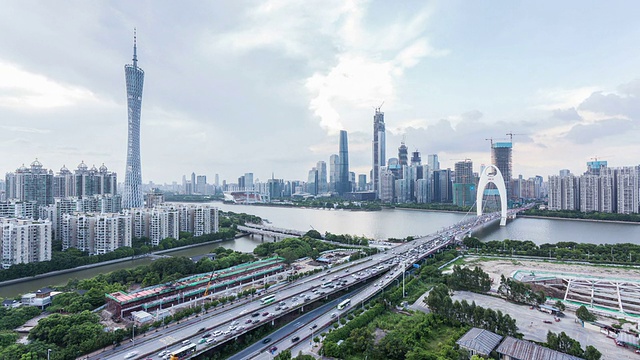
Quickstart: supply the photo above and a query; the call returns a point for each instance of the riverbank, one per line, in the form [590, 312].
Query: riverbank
[574, 219]
[110, 262]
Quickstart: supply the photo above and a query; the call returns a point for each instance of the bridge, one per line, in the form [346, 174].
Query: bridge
[270, 231]
[230, 322]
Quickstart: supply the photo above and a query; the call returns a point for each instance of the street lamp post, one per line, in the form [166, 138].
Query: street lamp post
[48, 351]
[133, 335]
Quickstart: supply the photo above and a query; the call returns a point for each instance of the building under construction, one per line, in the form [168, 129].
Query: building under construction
[121, 304]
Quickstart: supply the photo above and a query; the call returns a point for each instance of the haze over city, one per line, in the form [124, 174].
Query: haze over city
[265, 87]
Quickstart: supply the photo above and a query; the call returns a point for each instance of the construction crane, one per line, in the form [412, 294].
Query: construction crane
[491, 139]
[206, 292]
[512, 134]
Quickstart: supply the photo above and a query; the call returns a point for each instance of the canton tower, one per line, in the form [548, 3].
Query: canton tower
[132, 197]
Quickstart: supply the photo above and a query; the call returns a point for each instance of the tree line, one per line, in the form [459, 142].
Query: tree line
[577, 214]
[625, 253]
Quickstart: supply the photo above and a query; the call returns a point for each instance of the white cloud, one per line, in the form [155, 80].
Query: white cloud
[20, 89]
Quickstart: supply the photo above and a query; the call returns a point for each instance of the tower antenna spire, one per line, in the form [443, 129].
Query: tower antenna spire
[135, 54]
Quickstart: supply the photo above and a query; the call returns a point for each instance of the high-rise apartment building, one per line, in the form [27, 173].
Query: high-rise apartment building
[387, 185]
[34, 183]
[362, 182]
[134, 76]
[96, 233]
[24, 241]
[379, 149]
[344, 185]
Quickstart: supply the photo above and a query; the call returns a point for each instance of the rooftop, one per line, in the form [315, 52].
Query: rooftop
[526, 350]
[479, 340]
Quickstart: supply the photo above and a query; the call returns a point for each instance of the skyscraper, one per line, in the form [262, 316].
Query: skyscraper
[134, 76]
[334, 160]
[379, 146]
[343, 185]
[403, 155]
[322, 176]
[501, 158]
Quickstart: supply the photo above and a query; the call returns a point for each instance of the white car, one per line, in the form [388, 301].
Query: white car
[131, 354]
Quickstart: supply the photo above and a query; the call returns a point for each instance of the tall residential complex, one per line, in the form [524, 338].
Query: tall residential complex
[23, 241]
[134, 76]
[334, 160]
[379, 146]
[84, 181]
[321, 167]
[33, 183]
[344, 185]
[601, 189]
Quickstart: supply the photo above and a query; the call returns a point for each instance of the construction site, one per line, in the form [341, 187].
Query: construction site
[611, 291]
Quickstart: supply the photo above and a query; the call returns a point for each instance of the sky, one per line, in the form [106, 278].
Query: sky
[265, 86]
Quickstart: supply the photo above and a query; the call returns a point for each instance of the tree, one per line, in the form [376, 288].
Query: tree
[591, 353]
[583, 314]
[283, 355]
[560, 305]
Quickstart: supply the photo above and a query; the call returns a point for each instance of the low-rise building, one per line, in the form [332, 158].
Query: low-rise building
[479, 341]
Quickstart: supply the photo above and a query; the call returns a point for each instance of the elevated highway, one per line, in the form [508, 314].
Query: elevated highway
[228, 323]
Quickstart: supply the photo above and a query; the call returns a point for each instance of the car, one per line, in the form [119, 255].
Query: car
[163, 353]
[282, 303]
[202, 341]
[266, 313]
[273, 349]
[234, 322]
[186, 342]
[333, 315]
[217, 333]
[314, 326]
[201, 329]
[248, 321]
[547, 321]
[211, 339]
[206, 335]
[255, 314]
[226, 332]
[266, 341]
[295, 338]
[232, 327]
[131, 354]
[278, 308]
[256, 321]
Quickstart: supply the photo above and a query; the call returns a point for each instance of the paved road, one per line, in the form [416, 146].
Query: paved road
[219, 321]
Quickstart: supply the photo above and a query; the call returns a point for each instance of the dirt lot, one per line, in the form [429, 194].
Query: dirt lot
[498, 267]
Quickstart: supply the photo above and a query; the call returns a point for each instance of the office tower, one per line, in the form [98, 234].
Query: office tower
[201, 184]
[24, 241]
[387, 185]
[362, 182]
[416, 161]
[352, 181]
[322, 176]
[403, 155]
[334, 161]
[344, 185]
[217, 181]
[423, 191]
[501, 158]
[312, 182]
[441, 186]
[248, 181]
[379, 146]
[432, 161]
[34, 183]
[193, 183]
[132, 197]
[464, 194]
[564, 172]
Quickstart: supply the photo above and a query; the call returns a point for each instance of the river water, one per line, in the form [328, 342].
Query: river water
[396, 223]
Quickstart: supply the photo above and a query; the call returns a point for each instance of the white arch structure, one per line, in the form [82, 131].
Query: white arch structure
[498, 180]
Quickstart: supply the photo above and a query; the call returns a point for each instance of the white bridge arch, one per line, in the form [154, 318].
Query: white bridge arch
[498, 180]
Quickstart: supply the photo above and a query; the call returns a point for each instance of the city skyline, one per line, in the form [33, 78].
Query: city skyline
[556, 77]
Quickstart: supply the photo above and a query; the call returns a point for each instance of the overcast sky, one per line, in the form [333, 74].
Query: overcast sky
[265, 86]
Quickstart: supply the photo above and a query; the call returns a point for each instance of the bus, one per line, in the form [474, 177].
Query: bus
[327, 284]
[184, 352]
[268, 299]
[344, 304]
